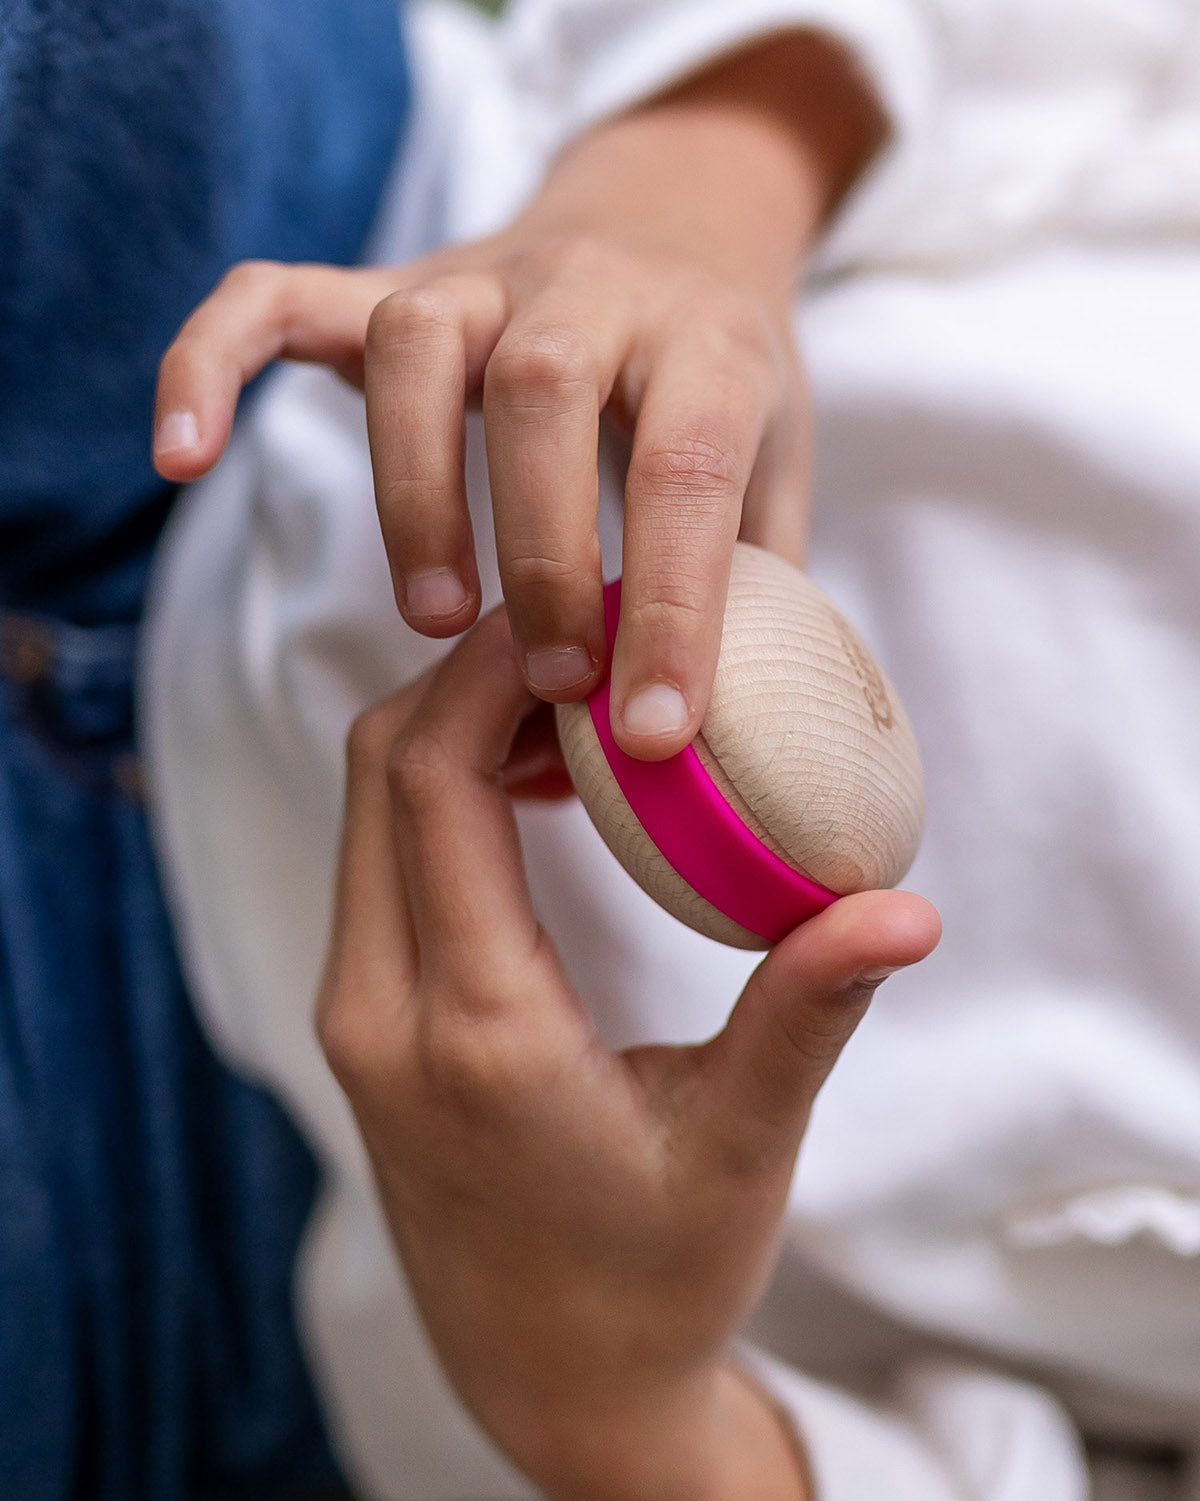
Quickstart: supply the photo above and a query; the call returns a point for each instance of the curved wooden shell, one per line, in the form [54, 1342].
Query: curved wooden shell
[805, 737]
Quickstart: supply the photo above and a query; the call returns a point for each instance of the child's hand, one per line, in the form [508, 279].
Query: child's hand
[583, 1231]
[651, 276]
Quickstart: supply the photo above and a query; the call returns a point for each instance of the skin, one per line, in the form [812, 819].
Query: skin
[583, 1230]
[650, 279]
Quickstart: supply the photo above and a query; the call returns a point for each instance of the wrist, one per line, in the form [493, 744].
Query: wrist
[742, 163]
[716, 1437]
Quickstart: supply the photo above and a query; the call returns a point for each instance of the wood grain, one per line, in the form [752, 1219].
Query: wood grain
[805, 737]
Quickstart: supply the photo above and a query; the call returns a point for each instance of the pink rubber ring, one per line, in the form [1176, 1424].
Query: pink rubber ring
[699, 834]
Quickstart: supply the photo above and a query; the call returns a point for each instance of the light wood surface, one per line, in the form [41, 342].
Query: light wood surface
[804, 736]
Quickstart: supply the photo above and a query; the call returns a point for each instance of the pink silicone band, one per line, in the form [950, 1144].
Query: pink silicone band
[697, 832]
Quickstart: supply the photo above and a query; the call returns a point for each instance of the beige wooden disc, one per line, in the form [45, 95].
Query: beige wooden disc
[805, 737]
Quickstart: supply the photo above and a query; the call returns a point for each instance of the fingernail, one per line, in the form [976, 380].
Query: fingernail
[433, 591]
[177, 430]
[557, 667]
[656, 710]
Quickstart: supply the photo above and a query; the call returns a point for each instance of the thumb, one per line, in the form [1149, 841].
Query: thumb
[801, 1007]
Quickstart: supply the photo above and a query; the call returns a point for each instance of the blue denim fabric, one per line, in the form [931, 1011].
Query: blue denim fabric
[145, 146]
[150, 1202]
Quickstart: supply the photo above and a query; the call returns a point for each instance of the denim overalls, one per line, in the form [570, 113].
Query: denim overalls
[150, 1202]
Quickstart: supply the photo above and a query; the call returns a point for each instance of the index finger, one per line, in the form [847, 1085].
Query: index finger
[455, 832]
[258, 312]
[372, 952]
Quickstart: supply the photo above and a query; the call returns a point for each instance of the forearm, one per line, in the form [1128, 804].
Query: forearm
[742, 163]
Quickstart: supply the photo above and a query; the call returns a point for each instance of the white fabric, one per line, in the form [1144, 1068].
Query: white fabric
[578, 61]
[1015, 121]
[942, 1430]
[1002, 1178]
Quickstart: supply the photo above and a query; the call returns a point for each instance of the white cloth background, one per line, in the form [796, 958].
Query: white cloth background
[994, 1239]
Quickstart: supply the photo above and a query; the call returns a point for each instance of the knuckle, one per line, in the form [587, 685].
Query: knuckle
[529, 570]
[341, 1041]
[565, 258]
[814, 1042]
[351, 1046]
[586, 258]
[412, 313]
[420, 773]
[540, 367]
[420, 513]
[693, 465]
[179, 358]
[257, 277]
[742, 326]
[370, 738]
[667, 610]
[467, 1063]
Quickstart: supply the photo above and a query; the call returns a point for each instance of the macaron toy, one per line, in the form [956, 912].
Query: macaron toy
[803, 785]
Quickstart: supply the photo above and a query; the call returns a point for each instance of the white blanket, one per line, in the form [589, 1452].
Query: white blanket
[994, 1238]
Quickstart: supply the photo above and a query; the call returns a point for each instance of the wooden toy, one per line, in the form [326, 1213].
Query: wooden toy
[803, 785]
